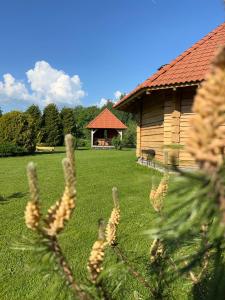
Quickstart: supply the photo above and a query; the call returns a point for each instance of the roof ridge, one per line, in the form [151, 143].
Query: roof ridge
[185, 53]
[110, 114]
[105, 109]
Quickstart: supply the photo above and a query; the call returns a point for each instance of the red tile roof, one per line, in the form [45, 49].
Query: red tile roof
[106, 119]
[190, 67]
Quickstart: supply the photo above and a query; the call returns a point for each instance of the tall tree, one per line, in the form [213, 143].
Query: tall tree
[68, 121]
[35, 113]
[51, 126]
[83, 116]
[0, 112]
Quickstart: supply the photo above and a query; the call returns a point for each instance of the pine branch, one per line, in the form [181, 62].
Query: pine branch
[132, 270]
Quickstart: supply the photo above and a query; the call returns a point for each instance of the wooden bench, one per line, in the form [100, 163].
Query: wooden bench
[45, 149]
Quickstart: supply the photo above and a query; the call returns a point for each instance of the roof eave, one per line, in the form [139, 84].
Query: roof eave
[138, 94]
[116, 128]
[132, 98]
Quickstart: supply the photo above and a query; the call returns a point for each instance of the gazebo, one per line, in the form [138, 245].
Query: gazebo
[104, 128]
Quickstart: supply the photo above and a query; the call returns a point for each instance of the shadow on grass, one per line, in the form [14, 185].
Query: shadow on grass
[47, 152]
[82, 148]
[6, 199]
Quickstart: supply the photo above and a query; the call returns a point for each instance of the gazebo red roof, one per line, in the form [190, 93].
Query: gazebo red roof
[188, 68]
[106, 120]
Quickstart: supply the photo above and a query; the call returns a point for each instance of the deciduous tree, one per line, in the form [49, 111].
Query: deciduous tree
[18, 128]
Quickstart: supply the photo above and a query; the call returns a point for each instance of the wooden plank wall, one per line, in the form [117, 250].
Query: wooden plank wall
[152, 132]
[164, 119]
[171, 122]
[138, 129]
[186, 160]
[168, 110]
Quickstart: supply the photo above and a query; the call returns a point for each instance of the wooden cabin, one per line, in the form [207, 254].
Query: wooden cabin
[104, 128]
[163, 103]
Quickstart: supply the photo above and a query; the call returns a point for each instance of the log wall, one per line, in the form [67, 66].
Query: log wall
[138, 136]
[186, 160]
[164, 119]
[152, 118]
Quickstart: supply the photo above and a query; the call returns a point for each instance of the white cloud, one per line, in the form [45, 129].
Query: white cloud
[12, 90]
[117, 95]
[44, 85]
[102, 102]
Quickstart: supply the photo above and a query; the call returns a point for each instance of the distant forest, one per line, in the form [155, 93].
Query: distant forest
[32, 127]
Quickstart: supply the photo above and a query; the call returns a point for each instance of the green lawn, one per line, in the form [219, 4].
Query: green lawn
[97, 172]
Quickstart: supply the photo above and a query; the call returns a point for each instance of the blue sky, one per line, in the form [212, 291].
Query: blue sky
[111, 45]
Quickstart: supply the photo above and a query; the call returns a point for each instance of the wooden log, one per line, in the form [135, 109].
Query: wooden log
[157, 126]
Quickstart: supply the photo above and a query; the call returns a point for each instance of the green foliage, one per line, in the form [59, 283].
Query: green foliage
[117, 143]
[124, 117]
[18, 128]
[83, 115]
[81, 143]
[8, 149]
[193, 224]
[51, 126]
[35, 114]
[68, 121]
[190, 208]
[129, 135]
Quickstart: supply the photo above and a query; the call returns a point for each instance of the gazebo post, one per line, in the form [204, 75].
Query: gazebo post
[121, 134]
[92, 137]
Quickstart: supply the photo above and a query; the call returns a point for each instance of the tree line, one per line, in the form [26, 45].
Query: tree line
[48, 127]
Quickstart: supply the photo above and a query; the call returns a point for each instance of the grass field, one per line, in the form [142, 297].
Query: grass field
[97, 172]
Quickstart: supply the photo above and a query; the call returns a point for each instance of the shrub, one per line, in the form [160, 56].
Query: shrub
[129, 136]
[8, 149]
[18, 129]
[117, 143]
[82, 143]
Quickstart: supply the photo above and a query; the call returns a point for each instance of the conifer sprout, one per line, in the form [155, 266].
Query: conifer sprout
[113, 220]
[57, 215]
[32, 215]
[153, 190]
[158, 194]
[156, 197]
[207, 135]
[69, 142]
[33, 182]
[115, 196]
[61, 212]
[156, 250]
[32, 212]
[97, 254]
